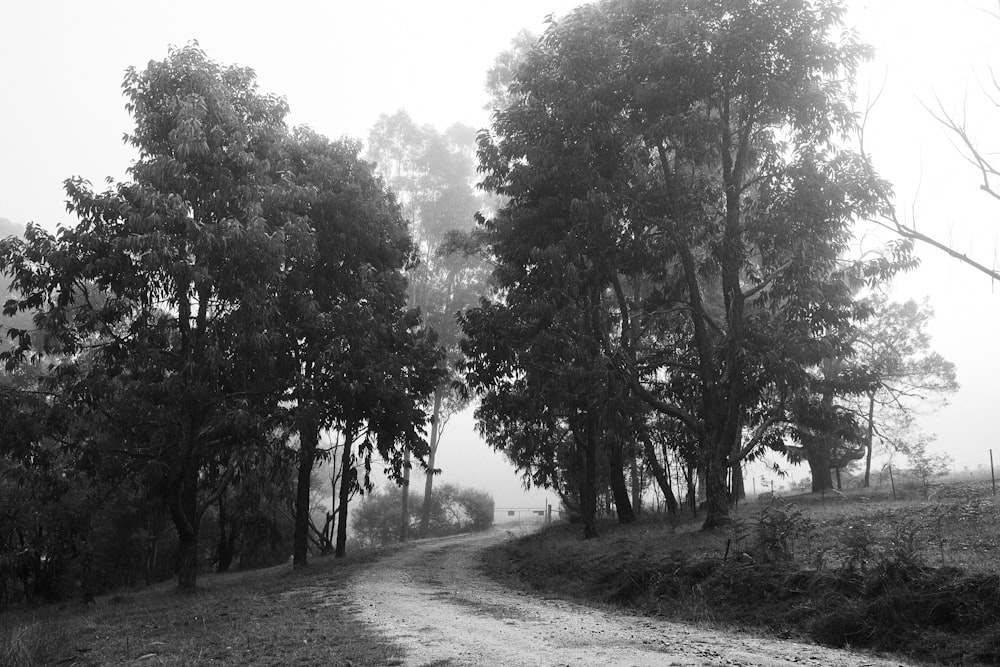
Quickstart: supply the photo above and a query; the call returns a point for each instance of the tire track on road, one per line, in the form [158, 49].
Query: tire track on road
[434, 601]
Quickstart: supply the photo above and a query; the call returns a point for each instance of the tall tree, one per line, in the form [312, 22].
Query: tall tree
[432, 174]
[167, 278]
[392, 374]
[548, 398]
[710, 202]
[346, 287]
[894, 348]
[826, 432]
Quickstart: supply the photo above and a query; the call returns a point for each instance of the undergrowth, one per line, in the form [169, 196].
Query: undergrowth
[275, 616]
[28, 644]
[916, 579]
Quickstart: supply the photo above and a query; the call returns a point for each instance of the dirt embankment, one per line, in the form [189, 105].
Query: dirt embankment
[436, 603]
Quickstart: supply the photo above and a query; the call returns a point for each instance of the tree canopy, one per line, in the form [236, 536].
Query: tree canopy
[242, 269]
[432, 173]
[673, 171]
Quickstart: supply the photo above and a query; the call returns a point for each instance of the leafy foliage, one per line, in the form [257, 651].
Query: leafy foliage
[453, 510]
[244, 284]
[676, 195]
[432, 173]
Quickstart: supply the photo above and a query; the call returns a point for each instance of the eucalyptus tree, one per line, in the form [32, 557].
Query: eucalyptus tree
[432, 174]
[710, 205]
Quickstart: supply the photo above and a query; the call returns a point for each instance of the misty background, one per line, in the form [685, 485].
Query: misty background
[342, 64]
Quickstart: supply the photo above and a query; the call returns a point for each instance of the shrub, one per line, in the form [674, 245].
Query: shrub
[377, 520]
[26, 645]
[778, 527]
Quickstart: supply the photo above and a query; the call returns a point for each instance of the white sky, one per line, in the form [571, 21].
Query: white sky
[342, 63]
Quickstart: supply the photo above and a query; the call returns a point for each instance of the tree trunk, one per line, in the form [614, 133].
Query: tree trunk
[331, 517]
[227, 539]
[308, 442]
[716, 490]
[636, 483]
[348, 476]
[661, 475]
[425, 511]
[819, 467]
[619, 490]
[187, 561]
[692, 475]
[868, 439]
[588, 490]
[737, 490]
[404, 498]
[724, 439]
[183, 505]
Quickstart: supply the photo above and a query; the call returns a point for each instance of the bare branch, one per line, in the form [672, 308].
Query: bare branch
[890, 220]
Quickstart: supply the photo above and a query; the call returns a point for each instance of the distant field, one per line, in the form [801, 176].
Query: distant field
[916, 577]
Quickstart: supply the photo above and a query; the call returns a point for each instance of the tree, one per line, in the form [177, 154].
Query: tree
[254, 516]
[927, 466]
[870, 391]
[22, 320]
[344, 293]
[547, 399]
[393, 372]
[432, 174]
[894, 347]
[167, 281]
[708, 204]
[826, 433]
[501, 74]
[8, 228]
[245, 284]
[74, 520]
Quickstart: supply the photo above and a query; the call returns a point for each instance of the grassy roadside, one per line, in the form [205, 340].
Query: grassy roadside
[919, 579]
[274, 616]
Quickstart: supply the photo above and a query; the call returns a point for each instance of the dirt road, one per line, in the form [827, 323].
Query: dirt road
[434, 601]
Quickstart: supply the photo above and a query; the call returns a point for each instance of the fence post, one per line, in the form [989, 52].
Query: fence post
[993, 475]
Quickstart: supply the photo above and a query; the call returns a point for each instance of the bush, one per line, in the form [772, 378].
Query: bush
[927, 467]
[26, 645]
[778, 527]
[377, 520]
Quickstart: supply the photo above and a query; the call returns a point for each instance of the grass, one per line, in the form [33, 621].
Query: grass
[919, 578]
[275, 616]
[914, 577]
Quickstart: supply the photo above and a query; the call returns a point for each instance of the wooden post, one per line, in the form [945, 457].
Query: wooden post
[893, 482]
[993, 475]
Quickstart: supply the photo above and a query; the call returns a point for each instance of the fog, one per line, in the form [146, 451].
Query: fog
[341, 64]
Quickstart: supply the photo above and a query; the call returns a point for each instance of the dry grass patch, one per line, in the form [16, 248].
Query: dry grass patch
[275, 616]
[919, 578]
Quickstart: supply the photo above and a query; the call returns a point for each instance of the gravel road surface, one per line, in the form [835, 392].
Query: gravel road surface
[433, 599]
